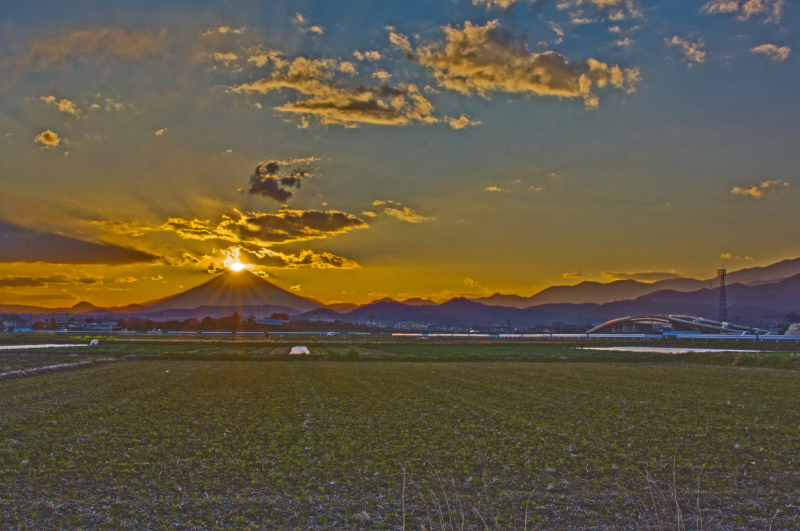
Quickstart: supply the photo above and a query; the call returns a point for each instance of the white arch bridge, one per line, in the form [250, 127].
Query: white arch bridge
[650, 323]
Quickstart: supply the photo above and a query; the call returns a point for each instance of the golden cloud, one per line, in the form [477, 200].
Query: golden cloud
[347, 68]
[771, 9]
[262, 229]
[721, 6]
[482, 60]
[318, 260]
[97, 43]
[48, 139]
[334, 103]
[777, 54]
[462, 122]
[301, 21]
[505, 4]
[225, 58]
[692, 51]
[759, 191]
[495, 4]
[406, 214]
[225, 30]
[63, 105]
[261, 56]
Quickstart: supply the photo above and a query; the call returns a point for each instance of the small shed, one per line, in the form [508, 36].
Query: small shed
[299, 350]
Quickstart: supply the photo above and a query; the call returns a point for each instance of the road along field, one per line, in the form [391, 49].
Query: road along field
[204, 444]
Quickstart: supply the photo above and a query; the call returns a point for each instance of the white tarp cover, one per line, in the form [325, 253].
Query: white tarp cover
[299, 350]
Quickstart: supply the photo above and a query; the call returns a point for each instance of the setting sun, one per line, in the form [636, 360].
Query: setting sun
[236, 267]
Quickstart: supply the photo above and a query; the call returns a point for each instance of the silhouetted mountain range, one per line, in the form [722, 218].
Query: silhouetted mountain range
[598, 292]
[753, 294]
[746, 304]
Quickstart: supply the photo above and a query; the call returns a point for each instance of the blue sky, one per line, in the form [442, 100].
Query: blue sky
[440, 148]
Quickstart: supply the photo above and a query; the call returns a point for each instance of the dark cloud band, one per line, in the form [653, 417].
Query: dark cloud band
[19, 244]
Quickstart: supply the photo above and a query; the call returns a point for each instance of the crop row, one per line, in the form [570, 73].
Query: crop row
[320, 445]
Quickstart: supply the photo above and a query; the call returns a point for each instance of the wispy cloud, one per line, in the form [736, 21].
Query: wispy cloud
[406, 214]
[22, 281]
[91, 45]
[304, 26]
[643, 276]
[333, 101]
[225, 30]
[694, 51]
[22, 298]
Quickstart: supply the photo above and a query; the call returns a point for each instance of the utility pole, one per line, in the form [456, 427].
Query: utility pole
[723, 299]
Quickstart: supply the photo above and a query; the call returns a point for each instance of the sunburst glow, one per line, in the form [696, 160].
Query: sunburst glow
[236, 267]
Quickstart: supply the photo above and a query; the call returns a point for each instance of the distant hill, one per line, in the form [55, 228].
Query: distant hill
[753, 294]
[81, 307]
[619, 290]
[234, 290]
[416, 301]
[747, 304]
[775, 272]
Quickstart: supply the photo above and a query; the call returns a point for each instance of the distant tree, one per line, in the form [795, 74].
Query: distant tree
[236, 322]
[208, 323]
[280, 316]
[792, 317]
[38, 325]
[90, 320]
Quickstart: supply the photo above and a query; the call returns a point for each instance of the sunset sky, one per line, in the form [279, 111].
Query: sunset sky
[353, 150]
